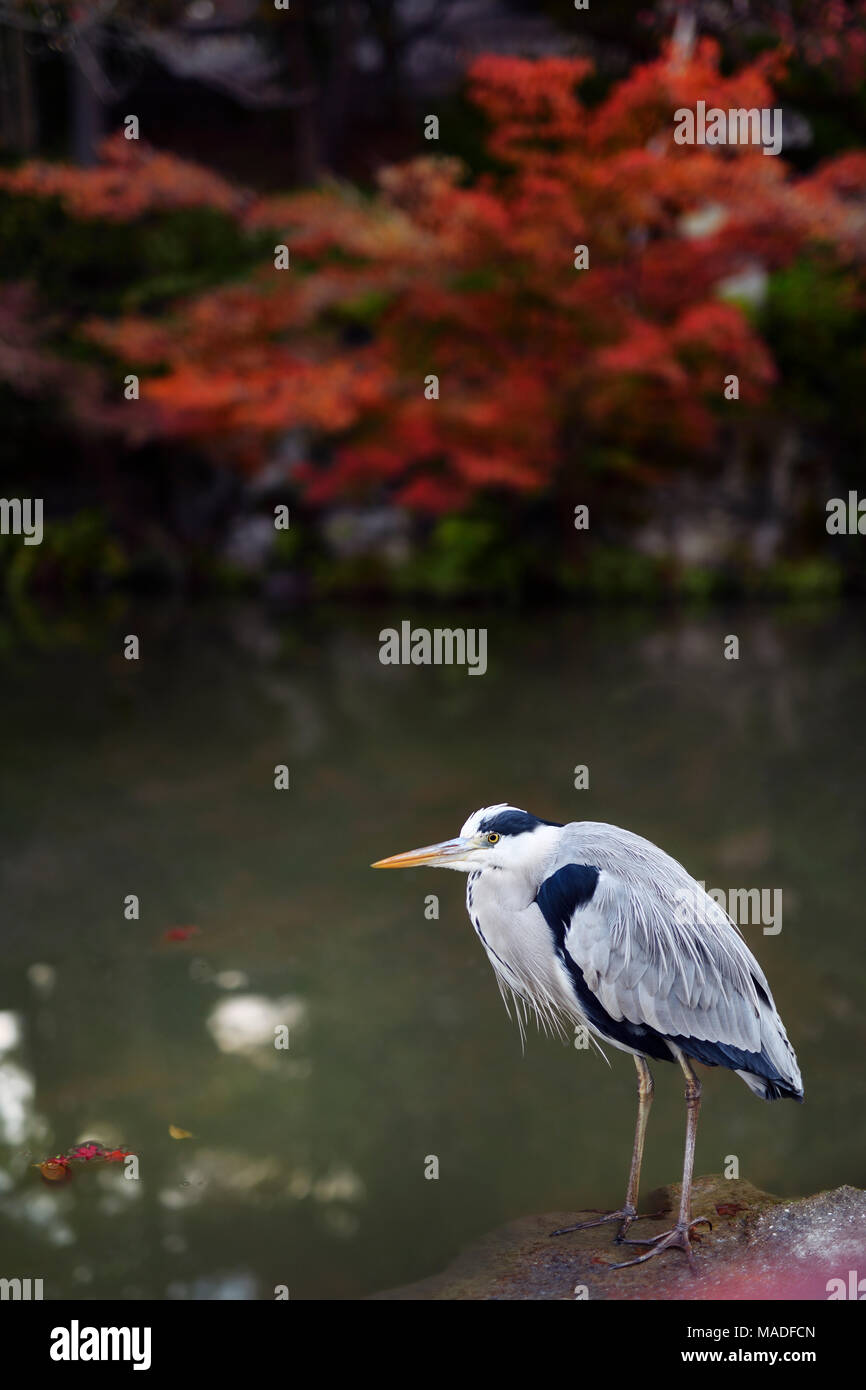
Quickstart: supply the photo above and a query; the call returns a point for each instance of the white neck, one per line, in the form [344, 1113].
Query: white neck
[514, 879]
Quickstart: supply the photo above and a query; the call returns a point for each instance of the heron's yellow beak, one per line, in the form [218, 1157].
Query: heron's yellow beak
[443, 854]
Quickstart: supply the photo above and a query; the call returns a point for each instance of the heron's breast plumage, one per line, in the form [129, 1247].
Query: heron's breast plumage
[516, 939]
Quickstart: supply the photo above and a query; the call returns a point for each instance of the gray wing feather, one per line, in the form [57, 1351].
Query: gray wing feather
[655, 948]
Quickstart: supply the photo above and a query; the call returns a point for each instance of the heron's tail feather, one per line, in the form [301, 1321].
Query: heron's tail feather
[771, 1089]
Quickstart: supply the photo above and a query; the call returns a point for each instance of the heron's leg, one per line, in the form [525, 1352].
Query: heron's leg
[679, 1237]
[627, 1213]
[645, 1090]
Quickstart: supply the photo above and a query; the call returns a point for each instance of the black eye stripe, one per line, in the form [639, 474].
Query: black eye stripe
[512, 823]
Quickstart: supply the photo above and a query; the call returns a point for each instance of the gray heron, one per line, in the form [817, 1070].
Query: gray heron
[593, 925]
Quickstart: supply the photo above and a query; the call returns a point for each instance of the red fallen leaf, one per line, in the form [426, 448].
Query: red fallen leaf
[180, 933]
[55, 1169]
[60, 1167]
[729, 1208]
[88, 1151]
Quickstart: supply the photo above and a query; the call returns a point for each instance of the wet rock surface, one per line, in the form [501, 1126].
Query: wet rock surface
[760, 1247]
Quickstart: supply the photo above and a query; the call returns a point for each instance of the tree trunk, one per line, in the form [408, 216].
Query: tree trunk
[87, 114]
[337, 87]
[305, 116]
[19, 116]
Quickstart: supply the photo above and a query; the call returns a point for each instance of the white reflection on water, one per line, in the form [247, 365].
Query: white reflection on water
[247, 1024]
[231, 979]
[10, 1031]
[215, 1171]
[340, 1185]
[42, 978]
[236, 1285]
[17, 1088]
[117, 1191]
[41, 1210]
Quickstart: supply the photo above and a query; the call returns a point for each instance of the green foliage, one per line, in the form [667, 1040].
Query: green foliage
[815, 325]
[814, 577]
[74, 554]
[364, 311]
[699, 584]
[465, 554]
[288, 546]
[111, 267]
[613, 572]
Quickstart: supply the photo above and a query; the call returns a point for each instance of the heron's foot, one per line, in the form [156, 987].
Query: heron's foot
[677, 1239]
[626, 1215]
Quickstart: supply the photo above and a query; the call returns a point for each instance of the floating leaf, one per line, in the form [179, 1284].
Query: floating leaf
[60, 1166]
[87, 1151]
[180, 933]
[55, 1169]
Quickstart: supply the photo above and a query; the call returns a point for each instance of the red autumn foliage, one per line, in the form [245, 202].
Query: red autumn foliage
[30, 367]
[132, 179]
[540, 365]
[828, 34]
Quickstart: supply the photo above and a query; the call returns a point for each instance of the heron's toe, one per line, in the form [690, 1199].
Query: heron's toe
[677, 1239]
[626, 1215]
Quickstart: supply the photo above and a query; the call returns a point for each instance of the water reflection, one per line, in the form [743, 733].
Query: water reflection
[257, 1028]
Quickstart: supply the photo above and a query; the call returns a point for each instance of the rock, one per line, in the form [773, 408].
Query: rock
[760, 1247]
[354, 531]
[249, 543]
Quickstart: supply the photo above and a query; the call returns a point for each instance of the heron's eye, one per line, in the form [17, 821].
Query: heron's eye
[492, 838]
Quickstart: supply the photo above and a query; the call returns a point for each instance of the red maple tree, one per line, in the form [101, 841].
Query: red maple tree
[542, 368]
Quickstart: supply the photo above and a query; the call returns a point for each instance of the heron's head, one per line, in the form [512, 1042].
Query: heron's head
[501, 837]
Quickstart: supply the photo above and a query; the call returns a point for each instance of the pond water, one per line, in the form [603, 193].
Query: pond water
[306, 1165]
